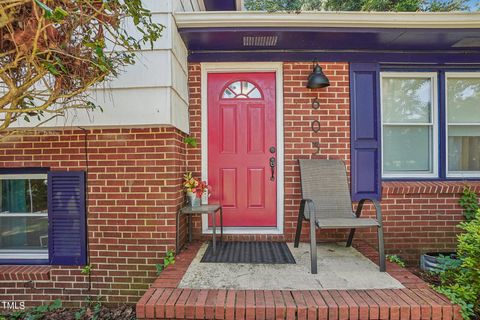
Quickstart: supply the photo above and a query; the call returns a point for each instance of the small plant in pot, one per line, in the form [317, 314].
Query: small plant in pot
[197, 191]
[433, 261]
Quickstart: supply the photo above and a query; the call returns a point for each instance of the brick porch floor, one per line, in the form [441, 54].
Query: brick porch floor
[164, 300]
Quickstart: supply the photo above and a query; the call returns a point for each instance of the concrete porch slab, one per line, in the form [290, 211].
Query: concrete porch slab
[165, 300]
[339, 268]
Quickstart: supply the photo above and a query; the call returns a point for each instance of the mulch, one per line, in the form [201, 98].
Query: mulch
[124, 312]
[428, 277]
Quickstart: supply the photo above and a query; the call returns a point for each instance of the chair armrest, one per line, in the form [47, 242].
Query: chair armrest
[378, 209]
[311, 208]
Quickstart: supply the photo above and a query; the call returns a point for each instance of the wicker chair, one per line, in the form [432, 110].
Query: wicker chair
[326, 203]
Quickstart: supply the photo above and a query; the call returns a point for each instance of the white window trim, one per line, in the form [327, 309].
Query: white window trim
[434, 80]
[457, 174]
[26, 254]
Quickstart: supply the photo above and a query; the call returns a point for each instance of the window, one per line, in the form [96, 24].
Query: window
[23, 216]
[241, 90]
[463, 124]
[409, 124]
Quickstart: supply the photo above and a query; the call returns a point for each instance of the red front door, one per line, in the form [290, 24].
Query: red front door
[241, 147]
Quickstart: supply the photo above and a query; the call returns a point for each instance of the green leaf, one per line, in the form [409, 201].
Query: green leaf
[57, 304]
[191, 141]
[46, 9]
[59, 63]
[42, 308]
[59, 14]
[51, 68]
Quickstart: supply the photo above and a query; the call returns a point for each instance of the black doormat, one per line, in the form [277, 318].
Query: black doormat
[249, 252]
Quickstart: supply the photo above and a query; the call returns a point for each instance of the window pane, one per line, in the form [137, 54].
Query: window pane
[23, 215]
[463, 100]
[23, 233]
[235, 87]
[23, 195]
[406, 100]
[247, 87]
[407, 148]
[464, 148]
[255, 94]
[241, 90]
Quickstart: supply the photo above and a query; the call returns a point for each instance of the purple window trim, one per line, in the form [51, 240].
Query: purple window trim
[32, 170]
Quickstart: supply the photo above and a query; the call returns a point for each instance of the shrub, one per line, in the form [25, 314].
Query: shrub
[469, 202]
[460, 280]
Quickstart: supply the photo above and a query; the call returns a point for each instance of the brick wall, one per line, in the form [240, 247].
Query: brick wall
[421, 217]
[418, 217]
[133, 193]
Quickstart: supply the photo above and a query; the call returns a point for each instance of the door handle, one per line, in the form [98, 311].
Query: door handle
[272, 167]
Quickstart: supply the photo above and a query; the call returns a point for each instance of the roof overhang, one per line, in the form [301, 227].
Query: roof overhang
[347, 36]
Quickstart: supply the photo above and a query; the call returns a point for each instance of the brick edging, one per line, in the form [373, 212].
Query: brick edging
[428, 187]
[24, 273]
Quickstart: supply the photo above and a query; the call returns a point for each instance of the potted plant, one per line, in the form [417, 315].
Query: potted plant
[196, 190]
[432, 261]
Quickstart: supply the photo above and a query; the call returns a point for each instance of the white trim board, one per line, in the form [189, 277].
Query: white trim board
[276, 67]
[323, 19]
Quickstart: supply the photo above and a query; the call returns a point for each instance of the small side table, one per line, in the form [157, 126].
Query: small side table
[209, 209]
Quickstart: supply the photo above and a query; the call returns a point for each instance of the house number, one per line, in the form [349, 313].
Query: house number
[316, 126]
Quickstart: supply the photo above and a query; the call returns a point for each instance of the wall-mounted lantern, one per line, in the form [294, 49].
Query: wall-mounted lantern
[317, 79]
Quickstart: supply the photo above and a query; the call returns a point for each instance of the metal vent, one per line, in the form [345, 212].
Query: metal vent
[261, 41]
[468, 43]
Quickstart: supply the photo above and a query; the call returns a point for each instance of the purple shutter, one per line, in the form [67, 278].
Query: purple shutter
[67, 240]
[365, 131]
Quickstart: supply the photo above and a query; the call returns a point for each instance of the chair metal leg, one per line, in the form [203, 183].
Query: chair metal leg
[221, 225]
[299, 224]
[214, 232]
[313, 246]
[381, 249]
[350, 237]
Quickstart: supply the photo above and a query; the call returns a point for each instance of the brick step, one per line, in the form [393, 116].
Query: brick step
[177, 303]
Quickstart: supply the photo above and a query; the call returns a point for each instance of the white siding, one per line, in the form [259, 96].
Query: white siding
[153, 92]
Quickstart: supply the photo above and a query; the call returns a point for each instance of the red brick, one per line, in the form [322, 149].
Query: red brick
[171, 302]
[180, 305]
[220, 304]
[190, 305]
[280, 308]
[151, 304]
[323, 309]
[259, 305]
[200, 304]
[249, 304]
[240, 305]
[269, 305]
[230, 305]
